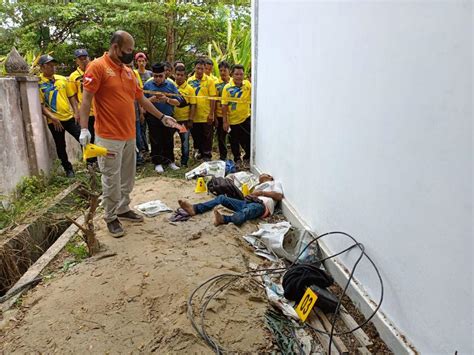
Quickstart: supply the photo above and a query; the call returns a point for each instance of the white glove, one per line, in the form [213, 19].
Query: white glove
[169, 121]
[85, 136]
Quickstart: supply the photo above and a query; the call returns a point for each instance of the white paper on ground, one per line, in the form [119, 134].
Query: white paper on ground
[215, 168]
[275, 296]
[152, 208]
[244, 177]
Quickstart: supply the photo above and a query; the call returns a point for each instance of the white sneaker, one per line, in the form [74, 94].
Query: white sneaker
[159, 169]
[173, 166]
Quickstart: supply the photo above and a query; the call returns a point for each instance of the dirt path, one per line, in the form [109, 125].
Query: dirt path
[136, 301]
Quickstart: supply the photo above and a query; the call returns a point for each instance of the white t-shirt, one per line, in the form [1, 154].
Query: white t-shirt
[269, 186]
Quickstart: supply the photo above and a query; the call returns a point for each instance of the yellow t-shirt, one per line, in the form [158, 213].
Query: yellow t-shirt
[139, 78]
[237, 111]
[182, 113]
[203, 87]
[75, 83]
[54, 94]
[219, 88]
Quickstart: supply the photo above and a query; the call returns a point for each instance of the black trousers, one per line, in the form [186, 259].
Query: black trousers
[74, 130]
[240, 137]
[161, 141]
[202, 136]
[91, 128]
[221, 139]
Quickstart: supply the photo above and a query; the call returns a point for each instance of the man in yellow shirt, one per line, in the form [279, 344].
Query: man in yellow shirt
[208, 69]
[224, 71]
[204, 87]
[184, 114]
[236, 98]
[59, 107]
[76, 82]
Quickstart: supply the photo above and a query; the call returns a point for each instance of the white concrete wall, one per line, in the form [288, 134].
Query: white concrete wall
[364, 110]
[13, 152]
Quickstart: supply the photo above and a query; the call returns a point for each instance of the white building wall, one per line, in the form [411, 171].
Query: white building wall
[363, 109]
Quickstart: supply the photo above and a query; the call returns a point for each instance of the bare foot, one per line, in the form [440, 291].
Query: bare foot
[187, 207]
[218, 218]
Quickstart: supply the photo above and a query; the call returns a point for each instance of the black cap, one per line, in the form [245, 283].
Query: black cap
[158, 68]
[80, 52]
[46, 58]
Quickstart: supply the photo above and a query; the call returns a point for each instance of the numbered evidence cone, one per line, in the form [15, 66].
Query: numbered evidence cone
[92, 151]
[200, 185]
[245, 189]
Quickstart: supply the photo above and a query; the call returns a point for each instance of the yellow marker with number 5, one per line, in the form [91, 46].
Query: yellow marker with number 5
[306, 304]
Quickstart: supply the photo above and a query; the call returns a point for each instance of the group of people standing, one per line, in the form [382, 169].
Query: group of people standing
[107, 102]
[208, 106]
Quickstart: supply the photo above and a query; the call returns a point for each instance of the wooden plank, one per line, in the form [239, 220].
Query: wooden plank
[42, 262]
[359, 334]
[363, 351]
[336, 340]
[323, 339]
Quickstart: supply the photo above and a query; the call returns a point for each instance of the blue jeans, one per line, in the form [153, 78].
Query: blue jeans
[184, 147]
[244, 210]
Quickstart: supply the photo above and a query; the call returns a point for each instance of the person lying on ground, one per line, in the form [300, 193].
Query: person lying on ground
[259, 204]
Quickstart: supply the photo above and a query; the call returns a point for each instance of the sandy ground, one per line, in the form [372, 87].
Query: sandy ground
[136, 301]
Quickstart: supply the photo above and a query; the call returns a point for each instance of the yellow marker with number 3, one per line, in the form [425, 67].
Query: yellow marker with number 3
[306, 304]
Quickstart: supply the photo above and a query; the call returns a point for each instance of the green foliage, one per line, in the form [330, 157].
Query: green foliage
[62, 27]
[77, 249]
[238, 43]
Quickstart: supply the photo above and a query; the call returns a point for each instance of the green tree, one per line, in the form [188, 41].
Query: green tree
[165, 29]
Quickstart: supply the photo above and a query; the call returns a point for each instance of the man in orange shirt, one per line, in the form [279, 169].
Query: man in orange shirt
[114, 88]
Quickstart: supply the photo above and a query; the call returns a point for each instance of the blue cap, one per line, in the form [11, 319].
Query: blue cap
[80, 52]
[46, 58]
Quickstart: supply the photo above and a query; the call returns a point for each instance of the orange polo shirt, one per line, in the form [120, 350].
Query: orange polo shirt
[115, 90]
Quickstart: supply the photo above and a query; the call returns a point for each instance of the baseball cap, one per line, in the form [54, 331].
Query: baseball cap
[46, 58]
[140, 55]
[80, 52]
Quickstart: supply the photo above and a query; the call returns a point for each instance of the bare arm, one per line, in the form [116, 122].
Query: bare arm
[225, 121]
[47, 112]
[75, 106]
[85, 108]
[192, 112]
[150, 108]
[212, 105]
[173, 102]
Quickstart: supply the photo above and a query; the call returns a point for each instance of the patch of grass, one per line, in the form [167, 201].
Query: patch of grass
[34, 193]
[77, 249]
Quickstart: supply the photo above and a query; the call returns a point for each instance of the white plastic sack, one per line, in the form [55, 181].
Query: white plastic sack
[215, 168]
[244, 177]
[152, 208]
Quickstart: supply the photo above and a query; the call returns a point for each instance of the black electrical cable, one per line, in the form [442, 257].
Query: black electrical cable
[213, 281]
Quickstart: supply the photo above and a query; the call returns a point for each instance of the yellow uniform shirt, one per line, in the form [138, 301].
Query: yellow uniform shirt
[237, 112]
[75, 83]
[182, 113]
[139, 78]
[219, 88]
[203, 87]
[54, 94]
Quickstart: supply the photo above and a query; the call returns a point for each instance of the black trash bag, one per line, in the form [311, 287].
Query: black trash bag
[299, 277]
[222, 186]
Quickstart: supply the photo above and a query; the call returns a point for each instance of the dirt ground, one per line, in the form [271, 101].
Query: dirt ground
[136, 300]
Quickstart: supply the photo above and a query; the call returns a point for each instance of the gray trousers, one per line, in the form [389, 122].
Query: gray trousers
[118, 175]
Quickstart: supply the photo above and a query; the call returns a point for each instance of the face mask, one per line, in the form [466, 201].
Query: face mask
[126, 58]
